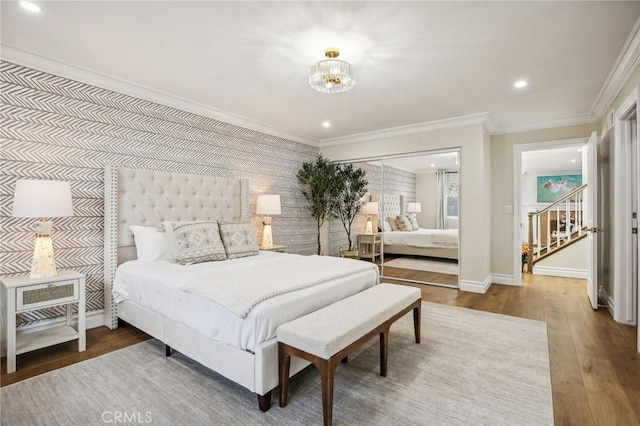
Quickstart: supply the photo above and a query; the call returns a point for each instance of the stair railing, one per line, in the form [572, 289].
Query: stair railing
[567, 213]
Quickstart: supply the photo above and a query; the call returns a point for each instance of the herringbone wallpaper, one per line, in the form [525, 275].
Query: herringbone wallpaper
[56, 128]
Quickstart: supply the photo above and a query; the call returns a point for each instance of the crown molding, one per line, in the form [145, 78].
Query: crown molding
[410, 129]
[94, 78]
[625, 65]
[574, 120]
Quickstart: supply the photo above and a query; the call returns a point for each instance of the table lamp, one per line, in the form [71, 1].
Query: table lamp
[414, 208]
[42, 198]
[370, 208]
[268, 205]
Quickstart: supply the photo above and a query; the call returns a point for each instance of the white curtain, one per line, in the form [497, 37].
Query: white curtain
[441, 192]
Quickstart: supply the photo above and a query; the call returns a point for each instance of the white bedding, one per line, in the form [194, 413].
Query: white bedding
[429, 238]
[239, 290]
[158, 286]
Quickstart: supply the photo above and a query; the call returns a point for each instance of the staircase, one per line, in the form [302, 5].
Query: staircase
[556, 227]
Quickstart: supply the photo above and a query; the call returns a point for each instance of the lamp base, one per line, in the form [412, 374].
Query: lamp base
[267, 238]
[369, 229]
[43, 264]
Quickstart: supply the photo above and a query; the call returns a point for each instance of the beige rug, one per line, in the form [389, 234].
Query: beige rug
[443, 267]
[471, 368]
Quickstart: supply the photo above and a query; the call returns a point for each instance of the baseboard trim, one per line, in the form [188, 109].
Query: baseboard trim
[608, 299]
[560, 272]
[503, 279]
[476, 286]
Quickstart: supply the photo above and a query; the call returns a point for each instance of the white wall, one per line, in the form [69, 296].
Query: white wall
[426, 195]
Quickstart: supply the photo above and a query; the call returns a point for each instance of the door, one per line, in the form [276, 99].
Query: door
[590, 212]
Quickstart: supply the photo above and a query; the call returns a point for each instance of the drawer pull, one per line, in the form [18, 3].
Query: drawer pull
[52, 286]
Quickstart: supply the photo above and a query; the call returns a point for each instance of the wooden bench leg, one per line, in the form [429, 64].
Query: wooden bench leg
[416, 321]
[264, 401]
[283, 372]
[327, 374]
[384, 351]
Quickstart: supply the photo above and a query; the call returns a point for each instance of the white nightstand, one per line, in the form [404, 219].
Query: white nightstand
[279, 249]
[369, 246]
[23, 294]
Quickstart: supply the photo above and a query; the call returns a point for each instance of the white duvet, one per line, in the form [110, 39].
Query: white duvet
[158, 286]
[429, 238]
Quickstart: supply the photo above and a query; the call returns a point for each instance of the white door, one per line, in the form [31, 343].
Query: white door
[590, 215]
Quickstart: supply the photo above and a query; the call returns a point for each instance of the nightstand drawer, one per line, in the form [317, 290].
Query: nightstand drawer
[41, 295]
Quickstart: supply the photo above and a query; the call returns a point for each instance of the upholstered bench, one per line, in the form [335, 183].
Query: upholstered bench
[327, 336]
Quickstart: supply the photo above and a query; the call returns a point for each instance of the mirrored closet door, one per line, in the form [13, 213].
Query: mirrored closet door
[419, 217]
[407, 217]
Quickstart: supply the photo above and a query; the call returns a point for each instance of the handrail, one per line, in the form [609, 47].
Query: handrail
[572, 210]
[565, 198]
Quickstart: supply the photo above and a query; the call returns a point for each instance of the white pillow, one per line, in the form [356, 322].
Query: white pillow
[387, 226]
[151, 244]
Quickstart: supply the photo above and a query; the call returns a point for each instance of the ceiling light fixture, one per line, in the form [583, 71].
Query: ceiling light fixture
[326, 124]
[31, 7]
[520, 84]
[433, 165]
[573, 161]
[332, 75]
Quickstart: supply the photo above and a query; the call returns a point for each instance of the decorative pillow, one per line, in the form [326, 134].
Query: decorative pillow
[151, 244]
[238, 239]
[403, 223]
[387, 226]
[195, 242]
[394, 224]
[414, 223]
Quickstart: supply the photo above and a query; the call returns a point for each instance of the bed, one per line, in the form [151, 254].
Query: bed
[441, 243]
[151, 296]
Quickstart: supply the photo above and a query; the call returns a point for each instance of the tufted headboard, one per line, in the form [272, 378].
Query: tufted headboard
[392, 205]
[146, 197]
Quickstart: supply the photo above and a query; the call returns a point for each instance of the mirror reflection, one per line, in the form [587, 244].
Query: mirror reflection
[420, 218]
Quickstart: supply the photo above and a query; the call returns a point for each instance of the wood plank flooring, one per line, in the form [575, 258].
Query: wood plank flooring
[595, 370]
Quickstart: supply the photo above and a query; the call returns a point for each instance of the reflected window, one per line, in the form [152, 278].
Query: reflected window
[452, 194]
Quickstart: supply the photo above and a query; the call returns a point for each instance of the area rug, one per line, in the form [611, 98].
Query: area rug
[472, 367]
[442, 267]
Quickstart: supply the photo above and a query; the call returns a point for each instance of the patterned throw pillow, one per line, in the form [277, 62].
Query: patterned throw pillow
[414, 223]
[196, 242]
[403, 223]
[238, 239]
[394, 224]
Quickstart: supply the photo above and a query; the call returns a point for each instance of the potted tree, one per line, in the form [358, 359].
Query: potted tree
[352, 185]
[319, 189]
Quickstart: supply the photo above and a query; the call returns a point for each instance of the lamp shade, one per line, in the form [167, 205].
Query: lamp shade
[371, 208]
[42, 198]
[414, 208]
[268, 205]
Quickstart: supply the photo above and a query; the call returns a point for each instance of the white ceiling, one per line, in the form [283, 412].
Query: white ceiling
[415, 62]
[559, 160]
[426, 163]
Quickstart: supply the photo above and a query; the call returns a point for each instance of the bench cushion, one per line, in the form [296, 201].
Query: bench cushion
[327, 331]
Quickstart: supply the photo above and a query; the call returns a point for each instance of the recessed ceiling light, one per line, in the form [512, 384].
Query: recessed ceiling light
[573, 161]
[31, 7]
[579, 149]
[520, 84]
[433, 165]
[326, 124]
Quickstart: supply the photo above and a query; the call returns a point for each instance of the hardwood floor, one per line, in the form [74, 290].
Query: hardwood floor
[595, 370]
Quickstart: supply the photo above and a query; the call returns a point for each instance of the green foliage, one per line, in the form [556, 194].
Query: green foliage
[319, 189]
[352, 186]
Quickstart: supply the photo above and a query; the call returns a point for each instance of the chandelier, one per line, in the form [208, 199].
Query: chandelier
[332, 75]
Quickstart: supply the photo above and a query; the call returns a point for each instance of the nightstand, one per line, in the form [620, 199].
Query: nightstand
[279, 249]
[369, 246]
[23, 294]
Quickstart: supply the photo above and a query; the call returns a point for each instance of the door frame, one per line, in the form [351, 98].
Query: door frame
[518, 232]
[624, 303]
